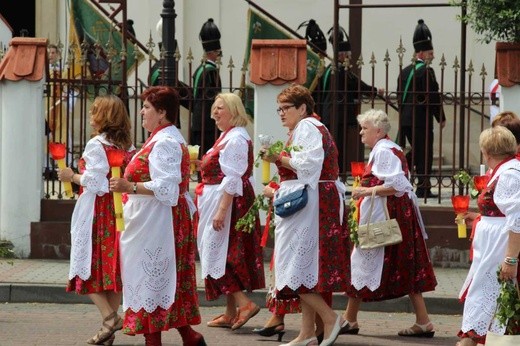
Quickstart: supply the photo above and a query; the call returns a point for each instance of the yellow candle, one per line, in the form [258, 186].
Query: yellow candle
[461, 226]
[194, 155]
[118, 203]
[266, 172]
[67, 186]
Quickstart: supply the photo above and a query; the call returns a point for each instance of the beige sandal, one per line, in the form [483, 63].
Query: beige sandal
[423, 332]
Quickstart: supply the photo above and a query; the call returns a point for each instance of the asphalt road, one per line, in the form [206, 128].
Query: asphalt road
[73, 324]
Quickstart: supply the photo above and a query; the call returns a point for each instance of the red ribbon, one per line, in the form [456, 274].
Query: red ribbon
[265, 235]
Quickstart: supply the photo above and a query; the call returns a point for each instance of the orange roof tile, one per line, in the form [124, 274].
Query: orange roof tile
[278, 62]
[25, 59]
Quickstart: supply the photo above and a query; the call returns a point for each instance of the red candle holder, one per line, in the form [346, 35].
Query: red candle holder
[461, 206]
[357, 168]
[116, 157]
[480, 182]
[57, 150]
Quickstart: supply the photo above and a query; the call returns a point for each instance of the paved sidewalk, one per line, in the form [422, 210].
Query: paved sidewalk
[73, 324]
[43, 281]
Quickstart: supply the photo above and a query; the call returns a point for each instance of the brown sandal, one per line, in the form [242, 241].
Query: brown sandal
[245, 314]
[222, 321]
[103, 336]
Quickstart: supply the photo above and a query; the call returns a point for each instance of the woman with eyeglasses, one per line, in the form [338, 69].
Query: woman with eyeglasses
[312, 245]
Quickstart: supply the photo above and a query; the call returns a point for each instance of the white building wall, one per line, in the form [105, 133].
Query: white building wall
[21, 150]
[382, 29]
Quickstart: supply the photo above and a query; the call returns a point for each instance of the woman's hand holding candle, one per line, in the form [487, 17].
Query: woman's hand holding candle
[58, 151]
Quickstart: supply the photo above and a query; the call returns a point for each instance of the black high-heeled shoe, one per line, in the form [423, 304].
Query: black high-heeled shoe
[270, 331]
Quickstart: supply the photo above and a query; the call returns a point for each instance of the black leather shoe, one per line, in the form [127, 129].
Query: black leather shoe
[270, 331]
[346, 328]
[428, 194]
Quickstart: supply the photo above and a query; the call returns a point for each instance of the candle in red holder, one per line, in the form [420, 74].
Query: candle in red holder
[115, 161]
[357, 168]
[58, 152]
[480, 182]
[461, 205]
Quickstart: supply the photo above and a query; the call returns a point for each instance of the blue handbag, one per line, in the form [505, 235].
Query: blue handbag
[291, 203]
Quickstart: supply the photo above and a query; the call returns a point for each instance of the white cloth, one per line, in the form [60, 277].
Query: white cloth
[297, 236]
[95, 183]
[212, 244]
[489, 246]
[367, 265]
[148, 263]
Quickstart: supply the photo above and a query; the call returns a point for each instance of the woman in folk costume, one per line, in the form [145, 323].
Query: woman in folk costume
[158, 245]
[396, 270]
[496, 242]
[94, 259]
[231, 260]
[312, 245]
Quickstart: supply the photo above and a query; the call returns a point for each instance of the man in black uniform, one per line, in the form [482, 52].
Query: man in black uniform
[420, 101]
[349, 91]
[206, 85]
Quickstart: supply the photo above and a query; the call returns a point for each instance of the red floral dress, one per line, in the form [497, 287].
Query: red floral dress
[334, 244]
[244, 262]
[407, 268]
[185, 309]
[105, 268]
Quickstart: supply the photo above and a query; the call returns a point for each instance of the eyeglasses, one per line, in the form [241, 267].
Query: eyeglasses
[284, 109]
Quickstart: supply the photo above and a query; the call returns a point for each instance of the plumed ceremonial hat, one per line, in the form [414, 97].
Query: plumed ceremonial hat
[314, 35]
[210, 36]
[422, 37]
[342, 39]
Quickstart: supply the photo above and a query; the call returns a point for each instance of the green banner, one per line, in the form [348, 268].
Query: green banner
[103, 41]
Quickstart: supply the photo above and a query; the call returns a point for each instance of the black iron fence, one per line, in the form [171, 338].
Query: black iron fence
[73, 84]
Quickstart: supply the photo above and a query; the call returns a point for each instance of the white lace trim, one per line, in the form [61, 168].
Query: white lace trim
[489, 246]
[366, 268]
[94, 179]
[307, 160]
[81, 236]
[148, 263]
[234, 161]
[297, 237]
[507, 195]
[164, 162]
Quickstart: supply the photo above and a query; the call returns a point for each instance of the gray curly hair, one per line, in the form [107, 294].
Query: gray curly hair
[376, 117]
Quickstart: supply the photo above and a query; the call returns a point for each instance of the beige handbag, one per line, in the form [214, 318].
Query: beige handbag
[378, 234]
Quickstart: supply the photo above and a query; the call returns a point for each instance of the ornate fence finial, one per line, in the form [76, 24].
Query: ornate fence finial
[387, 58]
[189, 57]
[400, 51]
[231, 65]
[150, 45]
[470, 68]
[443, 63]
[177, 54]
[373, 60]
[456, 65]
[483, 72]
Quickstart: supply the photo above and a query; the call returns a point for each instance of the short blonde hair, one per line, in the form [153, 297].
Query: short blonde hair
[235, 106]
[376, 117]
[497, 142]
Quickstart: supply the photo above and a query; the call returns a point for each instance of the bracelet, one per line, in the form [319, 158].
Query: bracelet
[511, 261]
[134, 188]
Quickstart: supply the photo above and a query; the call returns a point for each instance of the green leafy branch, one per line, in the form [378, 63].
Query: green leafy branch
[247, 223]
[508, 307]
[464, 178]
